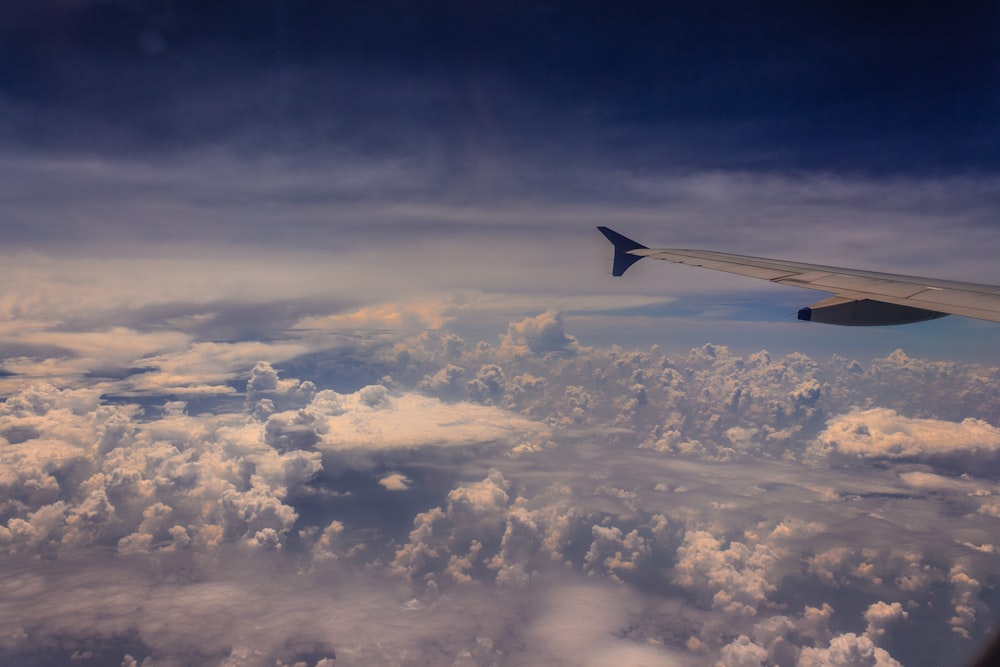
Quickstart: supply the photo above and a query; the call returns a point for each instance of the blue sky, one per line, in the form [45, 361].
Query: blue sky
[306, 327]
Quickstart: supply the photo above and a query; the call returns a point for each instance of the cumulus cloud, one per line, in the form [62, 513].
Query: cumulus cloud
[880, 615]
[742, 652]
[847, 650]
[721, 486]
[883, 433]
[264, 385]
[735, 577]
[543, 334]
[448, 381]
[143, 484]
[965, 600]
[611, 550]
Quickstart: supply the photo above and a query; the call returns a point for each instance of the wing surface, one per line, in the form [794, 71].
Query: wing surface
[930, 295]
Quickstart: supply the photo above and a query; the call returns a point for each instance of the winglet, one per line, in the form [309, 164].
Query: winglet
[623, 245]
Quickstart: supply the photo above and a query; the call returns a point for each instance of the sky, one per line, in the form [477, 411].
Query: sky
[310, 353]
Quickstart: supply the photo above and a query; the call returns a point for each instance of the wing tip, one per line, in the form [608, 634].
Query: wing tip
[623, 246]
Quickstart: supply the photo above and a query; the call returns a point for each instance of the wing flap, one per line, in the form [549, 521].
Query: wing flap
[837, 282]
[950, 296]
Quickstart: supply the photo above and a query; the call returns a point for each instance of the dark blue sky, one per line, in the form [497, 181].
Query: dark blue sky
[870, 87]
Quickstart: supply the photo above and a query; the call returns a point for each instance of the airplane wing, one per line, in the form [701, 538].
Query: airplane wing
[861, 298]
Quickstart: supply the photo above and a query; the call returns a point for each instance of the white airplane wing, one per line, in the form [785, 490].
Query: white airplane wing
[861, 298]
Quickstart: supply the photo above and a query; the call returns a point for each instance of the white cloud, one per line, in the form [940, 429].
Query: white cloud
[542, 334]
[884, 433]
[411, 317]
[395, 482]
[80, 352]
[847, 650]
[880, 615]
[613, 551]
[735, 578]
[920, 479]
[965, 598]
[372, 419]
[742, 652]
[208, 363]
[584, 624]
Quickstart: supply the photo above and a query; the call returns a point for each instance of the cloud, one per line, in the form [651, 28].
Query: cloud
[965, 600]
[847, 650]
[742, 652]
[554, 478]
[86, 474]
[396, 482]
[372, 419]
[583, 625]
[207, 365]
[880, 615]
[196, 201]
[611, 550]
[415, 317]
[201, 619]
[883, 433]
[735, 578]
[542, 334]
